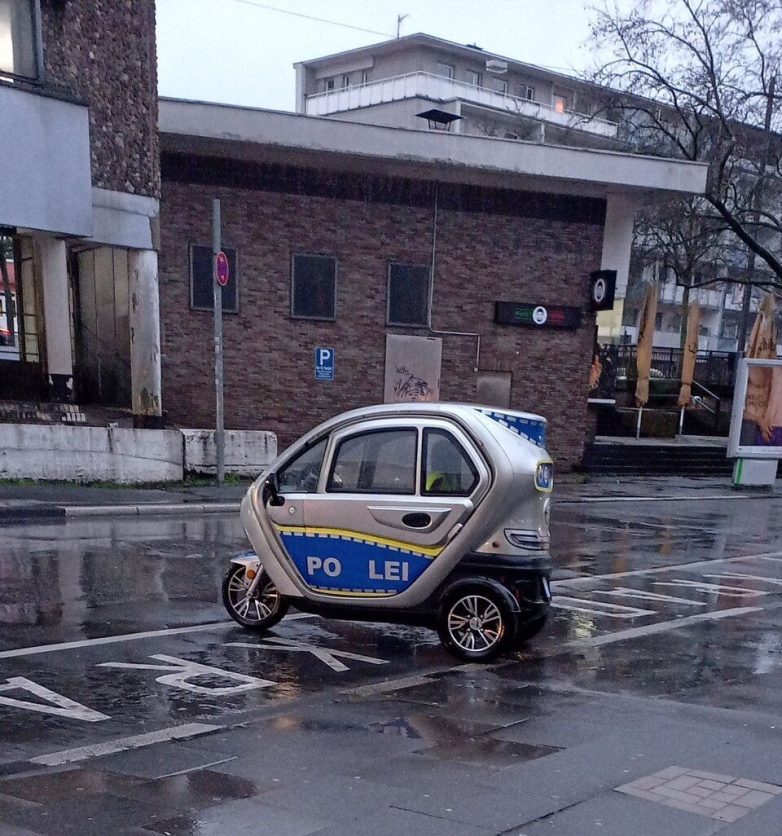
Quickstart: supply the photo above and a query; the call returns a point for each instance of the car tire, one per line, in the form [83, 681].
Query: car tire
[265, 608]
[476, 624]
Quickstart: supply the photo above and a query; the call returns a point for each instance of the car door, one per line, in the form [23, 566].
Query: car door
[379, 519]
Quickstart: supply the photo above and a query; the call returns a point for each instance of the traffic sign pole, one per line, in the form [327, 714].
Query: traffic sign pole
[217, 276]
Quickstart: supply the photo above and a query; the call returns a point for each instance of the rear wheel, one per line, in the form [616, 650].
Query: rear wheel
[261, 610]
[476, 624]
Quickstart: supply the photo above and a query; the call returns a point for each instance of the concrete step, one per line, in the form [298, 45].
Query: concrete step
[658, 460]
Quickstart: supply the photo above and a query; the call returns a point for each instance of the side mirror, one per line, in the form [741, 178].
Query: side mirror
[271, 491]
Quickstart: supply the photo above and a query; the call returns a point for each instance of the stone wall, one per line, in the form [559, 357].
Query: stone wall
[491, 245]
[103, 52]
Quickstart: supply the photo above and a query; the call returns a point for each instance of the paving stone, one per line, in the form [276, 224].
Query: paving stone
[754, 798]
[712, 776]
[683, 783]
[712, 785]
[647, 783]
[674, 772]
[730, 813]
[759, 785]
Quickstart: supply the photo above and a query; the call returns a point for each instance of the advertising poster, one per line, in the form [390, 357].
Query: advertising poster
[756, 423]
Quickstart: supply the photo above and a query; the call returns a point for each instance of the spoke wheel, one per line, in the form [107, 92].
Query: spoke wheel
[260, 610]
[475, 624]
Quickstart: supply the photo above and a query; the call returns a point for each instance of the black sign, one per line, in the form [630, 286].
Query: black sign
[537, 316]
[602, 286]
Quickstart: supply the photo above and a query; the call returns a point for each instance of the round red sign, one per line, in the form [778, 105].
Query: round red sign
[222, 269]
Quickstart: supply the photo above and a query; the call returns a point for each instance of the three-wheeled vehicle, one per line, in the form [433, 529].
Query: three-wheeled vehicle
[428, 514]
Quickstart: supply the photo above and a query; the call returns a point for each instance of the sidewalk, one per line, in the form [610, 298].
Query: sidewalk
[19, 503]
[52, 501]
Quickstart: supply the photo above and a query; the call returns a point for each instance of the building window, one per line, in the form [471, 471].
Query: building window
[658, 322]
[408, 295]
[202, 280]
[527, 92]
[345, 81]
[559, 103]
[314, 287]
[365, 76]
[499, 85]
[473, 78]
[445, 70]
[328, 84]
[18, 30]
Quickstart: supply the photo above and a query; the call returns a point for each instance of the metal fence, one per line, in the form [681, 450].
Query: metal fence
[712, 368]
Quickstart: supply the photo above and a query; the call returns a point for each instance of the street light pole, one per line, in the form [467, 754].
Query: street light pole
[218, 343]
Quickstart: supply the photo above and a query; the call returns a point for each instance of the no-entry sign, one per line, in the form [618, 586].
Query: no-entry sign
[223, 273]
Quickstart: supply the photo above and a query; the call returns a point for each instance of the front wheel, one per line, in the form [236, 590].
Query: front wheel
[476, 625]
[259, 611]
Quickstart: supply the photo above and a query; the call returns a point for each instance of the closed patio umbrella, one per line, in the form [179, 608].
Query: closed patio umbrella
[690, 353]
[643, 359]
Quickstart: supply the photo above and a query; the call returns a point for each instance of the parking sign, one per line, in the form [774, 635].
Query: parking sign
[324, 364]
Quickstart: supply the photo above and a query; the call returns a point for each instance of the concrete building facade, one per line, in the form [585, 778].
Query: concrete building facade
[79, 201]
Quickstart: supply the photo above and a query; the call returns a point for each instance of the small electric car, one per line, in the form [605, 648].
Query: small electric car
[427, 514]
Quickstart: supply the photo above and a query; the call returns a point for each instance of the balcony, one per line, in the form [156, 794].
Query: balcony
[44, 162]
[439, 88]
[672, 294]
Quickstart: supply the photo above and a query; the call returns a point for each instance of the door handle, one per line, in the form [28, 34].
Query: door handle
[417, 519]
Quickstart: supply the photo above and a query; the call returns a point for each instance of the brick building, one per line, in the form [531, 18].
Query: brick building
[79, 200]
[348, 235]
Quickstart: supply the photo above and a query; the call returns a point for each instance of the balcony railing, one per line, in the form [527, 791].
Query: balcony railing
[427, 85]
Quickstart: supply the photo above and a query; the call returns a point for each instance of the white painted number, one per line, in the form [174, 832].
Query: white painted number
[328, 657]
[57, 704]
[182, 671]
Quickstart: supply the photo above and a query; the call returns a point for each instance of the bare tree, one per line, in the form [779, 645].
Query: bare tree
[696, 79]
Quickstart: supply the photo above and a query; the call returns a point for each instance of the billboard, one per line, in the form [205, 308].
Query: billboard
[756, 421]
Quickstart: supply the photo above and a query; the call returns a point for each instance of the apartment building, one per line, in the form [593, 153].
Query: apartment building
[79, 202]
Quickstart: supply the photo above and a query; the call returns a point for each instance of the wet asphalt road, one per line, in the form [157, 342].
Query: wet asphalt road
[128, 702]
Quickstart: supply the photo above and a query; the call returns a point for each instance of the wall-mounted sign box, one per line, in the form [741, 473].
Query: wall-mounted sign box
[537, 316]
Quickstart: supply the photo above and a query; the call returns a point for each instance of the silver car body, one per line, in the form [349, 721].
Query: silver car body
[333, 546]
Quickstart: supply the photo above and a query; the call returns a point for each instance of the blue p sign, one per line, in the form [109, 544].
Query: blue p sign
[324, 364]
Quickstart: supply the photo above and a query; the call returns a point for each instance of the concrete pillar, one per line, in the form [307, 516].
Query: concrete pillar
[617, 244]
[57, 317]
[144, 306]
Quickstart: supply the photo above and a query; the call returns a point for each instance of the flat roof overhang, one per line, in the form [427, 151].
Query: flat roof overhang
[254, 135]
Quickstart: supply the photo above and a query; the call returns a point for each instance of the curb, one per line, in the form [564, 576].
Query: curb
[150, 509]
[50, 513]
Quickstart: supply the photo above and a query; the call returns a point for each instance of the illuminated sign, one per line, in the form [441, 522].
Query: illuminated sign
[537, 316]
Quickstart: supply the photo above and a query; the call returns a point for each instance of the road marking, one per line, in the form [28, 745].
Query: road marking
[714, 588]
[740, 576]
[325, 654]
[565, 602]
[642, 594]
[182, 671]
[696, 564]
[57, 704]
[128, 637]
[681, 498]
[661, 627]
[122, 744]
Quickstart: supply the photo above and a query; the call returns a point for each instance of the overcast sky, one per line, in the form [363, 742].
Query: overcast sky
[243, 51]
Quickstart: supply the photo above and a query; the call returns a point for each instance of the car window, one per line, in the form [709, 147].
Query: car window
[302, 473]
[448, 470]
[382, 461]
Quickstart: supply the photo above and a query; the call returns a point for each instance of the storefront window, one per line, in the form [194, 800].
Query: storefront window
[18, 23]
